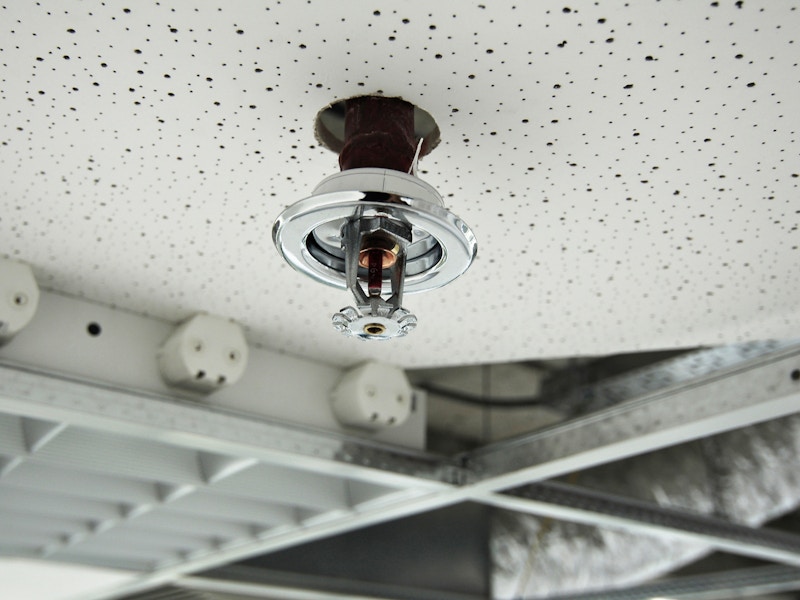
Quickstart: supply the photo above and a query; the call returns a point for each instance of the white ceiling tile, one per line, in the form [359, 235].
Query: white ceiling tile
[630, 169]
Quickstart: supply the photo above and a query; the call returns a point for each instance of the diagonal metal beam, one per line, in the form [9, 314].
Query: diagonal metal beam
[687, 367]
[738, 583]
[182, 423]
[580, 505]
[763, 389]
[267, 583]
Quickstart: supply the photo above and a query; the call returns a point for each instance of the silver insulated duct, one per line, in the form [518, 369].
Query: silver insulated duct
[748, 476]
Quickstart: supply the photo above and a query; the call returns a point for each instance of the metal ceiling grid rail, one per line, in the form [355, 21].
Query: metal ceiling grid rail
[158, 459]
[264, 583]
[136, 482]
[577, 504]
[740, 583]
[751, 392]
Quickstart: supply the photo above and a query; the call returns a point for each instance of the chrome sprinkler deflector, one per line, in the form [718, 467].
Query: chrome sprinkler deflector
[379, 232]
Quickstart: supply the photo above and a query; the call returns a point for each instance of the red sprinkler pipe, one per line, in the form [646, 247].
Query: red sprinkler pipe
[378, 133]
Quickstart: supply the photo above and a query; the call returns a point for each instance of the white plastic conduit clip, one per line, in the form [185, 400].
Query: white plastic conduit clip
[372, 396]
[19, 297]
[203, 354]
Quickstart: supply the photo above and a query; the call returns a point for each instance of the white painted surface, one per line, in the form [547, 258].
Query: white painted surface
[23, 579]
[123, 353]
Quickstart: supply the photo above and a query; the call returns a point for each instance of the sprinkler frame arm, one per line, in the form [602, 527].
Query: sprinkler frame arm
[373, 310]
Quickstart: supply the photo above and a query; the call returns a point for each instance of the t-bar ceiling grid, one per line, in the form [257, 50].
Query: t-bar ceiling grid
[97, 475]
